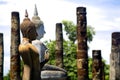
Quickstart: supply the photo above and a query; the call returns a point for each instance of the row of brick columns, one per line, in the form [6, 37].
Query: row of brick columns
[82, 54]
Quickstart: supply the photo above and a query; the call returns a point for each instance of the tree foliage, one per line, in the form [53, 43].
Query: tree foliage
[69, 57]
[70, 29]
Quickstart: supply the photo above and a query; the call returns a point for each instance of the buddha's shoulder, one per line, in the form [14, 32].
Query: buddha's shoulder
[24, 47]
[36, 42]
[27, 47]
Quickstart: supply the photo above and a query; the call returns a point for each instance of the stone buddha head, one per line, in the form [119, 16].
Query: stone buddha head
[38, 24]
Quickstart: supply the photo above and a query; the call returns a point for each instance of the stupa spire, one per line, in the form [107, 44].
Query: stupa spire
[36, 19]
[35, 11]
[26, 13]
[26, 16]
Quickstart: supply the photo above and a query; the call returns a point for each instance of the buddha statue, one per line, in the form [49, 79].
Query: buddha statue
[42, 49]
[28, 52]
[50, 72]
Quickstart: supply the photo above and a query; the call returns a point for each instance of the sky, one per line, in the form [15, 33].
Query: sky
[103, 15]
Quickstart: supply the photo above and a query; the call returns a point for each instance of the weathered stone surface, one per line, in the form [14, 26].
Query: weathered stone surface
[115, 57]
[15, 41]
[82, 55]
[1, 56]
[52, 72]
[97, 65]
[52, 67]
[59, 45]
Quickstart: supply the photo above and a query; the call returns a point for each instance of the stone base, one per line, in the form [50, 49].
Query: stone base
[54, 79]
[53, 75]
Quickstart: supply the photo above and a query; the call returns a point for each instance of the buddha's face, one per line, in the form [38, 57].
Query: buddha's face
[40, 31]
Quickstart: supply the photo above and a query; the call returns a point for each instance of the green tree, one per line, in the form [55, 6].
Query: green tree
[106, 70]
[7, 77]
[70, 50]
[69, 57]
[70, 29]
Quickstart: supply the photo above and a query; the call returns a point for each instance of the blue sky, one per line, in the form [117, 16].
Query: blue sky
[103, 15]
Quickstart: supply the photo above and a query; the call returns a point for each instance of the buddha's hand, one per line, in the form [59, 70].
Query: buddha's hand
[46, 56]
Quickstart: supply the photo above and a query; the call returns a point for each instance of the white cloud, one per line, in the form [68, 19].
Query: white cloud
[6, 64]
[101, 41]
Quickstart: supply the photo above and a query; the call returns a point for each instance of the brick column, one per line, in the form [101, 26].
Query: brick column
[15, 41]
[59, 45]
[96, 65]
[82, 55]
[1, 55]
[115, 57]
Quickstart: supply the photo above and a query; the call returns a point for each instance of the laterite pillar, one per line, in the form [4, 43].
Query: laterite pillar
[82, 55]
[59, 45]
[15, 41]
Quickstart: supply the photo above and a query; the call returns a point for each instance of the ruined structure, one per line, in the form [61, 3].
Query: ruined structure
[96, 65]
[1, 55]
[35, 54]
[15, 41]
[82, 55]
[59, 45]
[115, 57]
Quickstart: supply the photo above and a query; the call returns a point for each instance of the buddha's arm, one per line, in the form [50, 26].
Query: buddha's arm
[25, 54]
[35, 63]
[44, 55]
